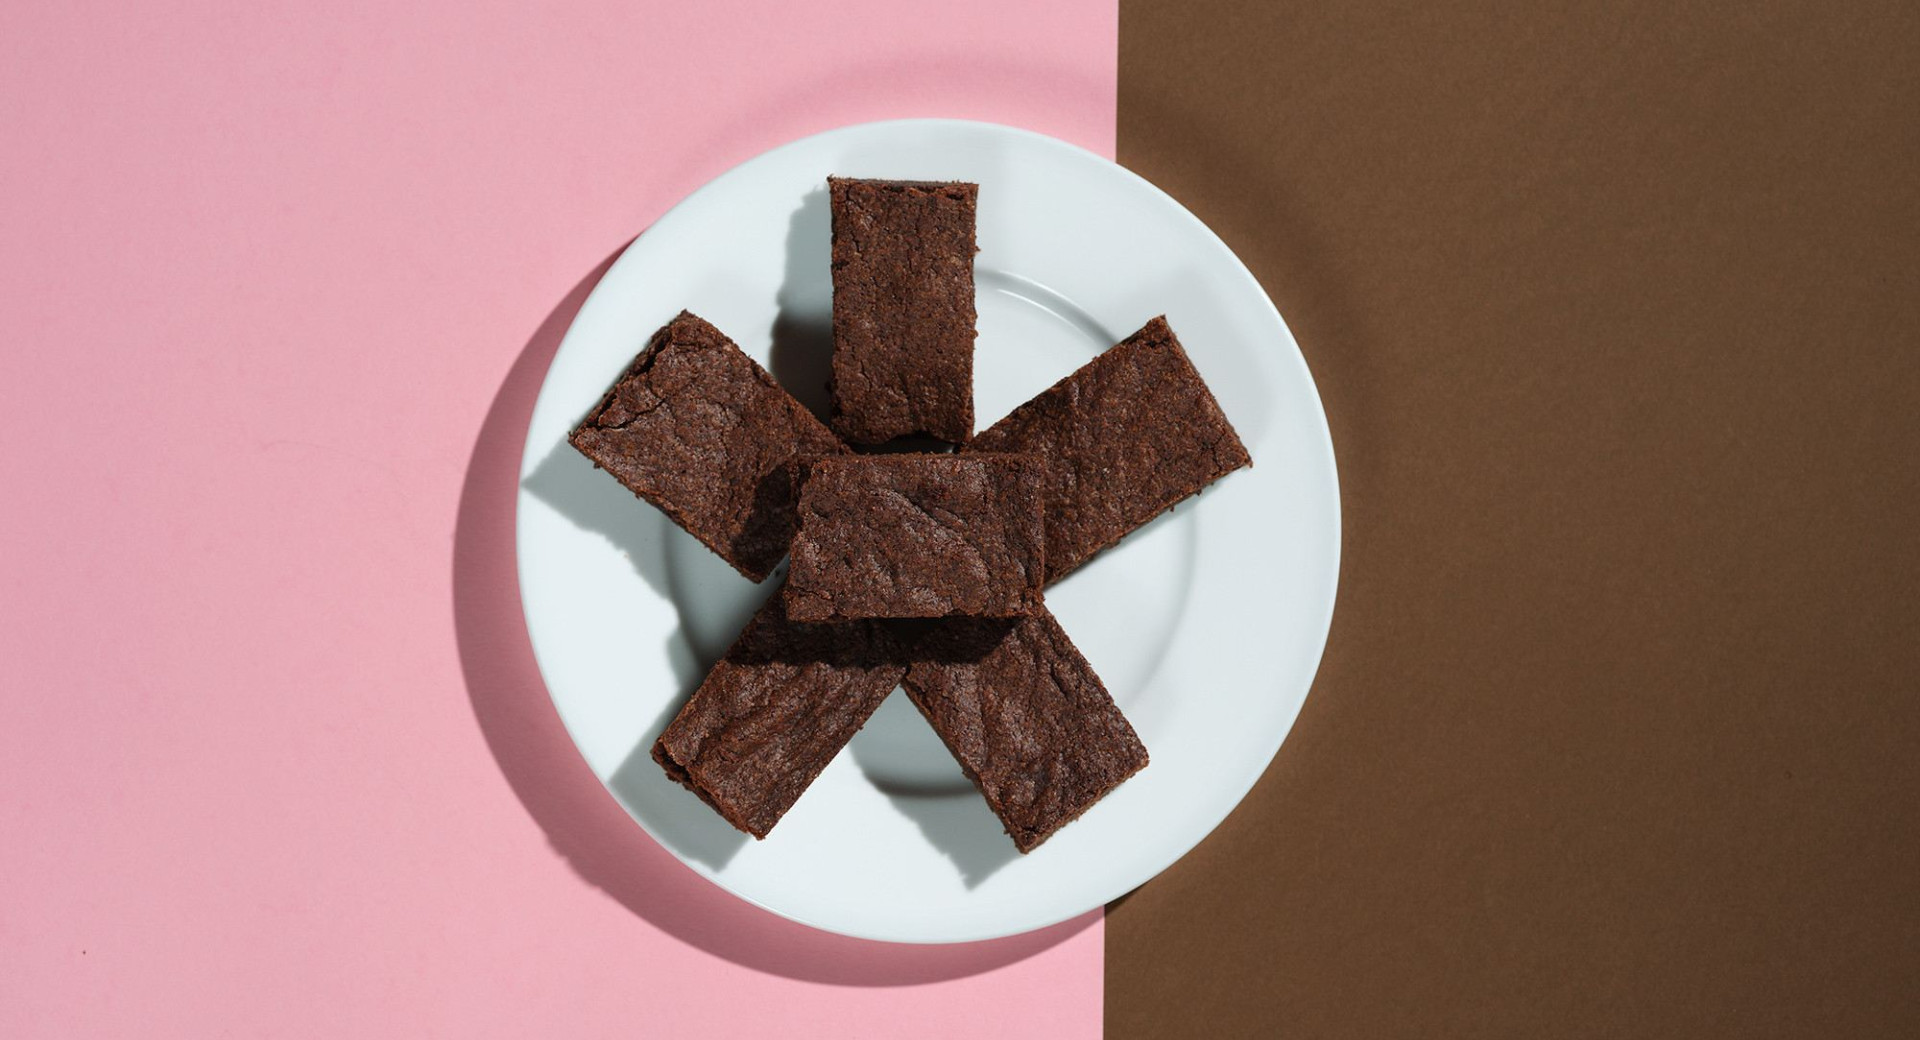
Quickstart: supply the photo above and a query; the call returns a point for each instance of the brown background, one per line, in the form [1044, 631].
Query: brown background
[1616, 314]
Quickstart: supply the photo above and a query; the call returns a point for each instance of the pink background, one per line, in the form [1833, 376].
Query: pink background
[277, 287]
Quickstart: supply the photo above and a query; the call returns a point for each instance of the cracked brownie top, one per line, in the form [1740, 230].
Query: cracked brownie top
[897, 536]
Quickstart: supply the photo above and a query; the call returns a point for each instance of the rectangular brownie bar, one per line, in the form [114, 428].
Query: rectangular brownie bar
[1025, 715]
[916, 536]
[1132, 432]
[903, 309]
[700, 430]
[774, 711]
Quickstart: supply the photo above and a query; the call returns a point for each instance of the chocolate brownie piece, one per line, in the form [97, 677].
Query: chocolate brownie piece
[1132, 432]
[899, 536]
[699, 429]
[902, 309]
[1025, 715]
[774, 711]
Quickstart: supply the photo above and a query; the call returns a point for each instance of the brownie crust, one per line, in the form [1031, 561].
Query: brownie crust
[700, 430]
[903, 309]
[1126, 437]
[1024, 714]
[775, 710]
[918, 536]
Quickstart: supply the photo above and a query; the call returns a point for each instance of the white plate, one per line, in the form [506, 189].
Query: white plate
[1207, 625]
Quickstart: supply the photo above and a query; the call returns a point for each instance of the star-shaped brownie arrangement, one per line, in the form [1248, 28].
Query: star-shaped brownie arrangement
[921, 570]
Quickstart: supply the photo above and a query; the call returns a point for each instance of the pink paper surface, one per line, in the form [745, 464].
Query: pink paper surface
[278, 285]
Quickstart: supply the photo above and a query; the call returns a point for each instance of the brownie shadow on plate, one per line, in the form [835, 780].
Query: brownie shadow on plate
[959, 824]
[684, 824]
[904, 759]
[801, 358]
[569, 483]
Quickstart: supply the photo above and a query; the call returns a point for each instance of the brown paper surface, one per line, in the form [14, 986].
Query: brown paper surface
[1615, 310]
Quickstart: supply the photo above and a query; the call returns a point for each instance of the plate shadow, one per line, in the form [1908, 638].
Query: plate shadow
[585, 826]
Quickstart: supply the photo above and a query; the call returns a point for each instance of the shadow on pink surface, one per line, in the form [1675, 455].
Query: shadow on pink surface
[581, 820]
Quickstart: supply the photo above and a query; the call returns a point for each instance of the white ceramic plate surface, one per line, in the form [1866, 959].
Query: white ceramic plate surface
[1207, 625]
